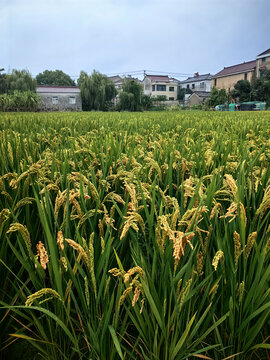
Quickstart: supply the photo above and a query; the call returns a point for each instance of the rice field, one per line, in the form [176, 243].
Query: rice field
[135, 236]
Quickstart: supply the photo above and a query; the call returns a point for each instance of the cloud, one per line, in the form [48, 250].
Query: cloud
[123, 35]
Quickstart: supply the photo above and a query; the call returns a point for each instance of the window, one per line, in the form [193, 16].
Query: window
[215, 82]
[55, 100]
[171, 88]
[202, 85]
[171, 98]
[193, 86]
[161, 87]
[187, 86]
[245, 76]
[153, 87]
[263, 59]
[72, 100]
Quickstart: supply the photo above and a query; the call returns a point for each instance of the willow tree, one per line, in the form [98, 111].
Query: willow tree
[20, 80]
[97, 91]
[131, 98]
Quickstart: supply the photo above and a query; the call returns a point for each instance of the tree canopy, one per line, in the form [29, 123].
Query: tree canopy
[182, 92]
[131, 98]
[57, 77]
[97, 91]
[242, 91]
[260, 88]
[3, 82]
[20, 80]
[217, 97]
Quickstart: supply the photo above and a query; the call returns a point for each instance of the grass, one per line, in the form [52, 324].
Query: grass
[154, 231]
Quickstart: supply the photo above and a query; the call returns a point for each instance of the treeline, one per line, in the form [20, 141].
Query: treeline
[98, 92]
[18, 91]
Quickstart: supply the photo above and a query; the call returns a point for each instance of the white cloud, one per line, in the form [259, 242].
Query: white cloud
[123, 35]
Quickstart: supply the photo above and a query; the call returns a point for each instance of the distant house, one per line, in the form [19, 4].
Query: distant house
[65, 98]
[117, 80]
[156, 85]
[228, 77]
[262, 62]
[198, 97]
[197, 83]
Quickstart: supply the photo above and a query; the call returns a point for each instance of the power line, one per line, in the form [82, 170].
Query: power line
[141, 72]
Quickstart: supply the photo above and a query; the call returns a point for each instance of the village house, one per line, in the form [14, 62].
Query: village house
[228, 77]
[198, 97]
[118, 82]
[160, 85]
[197, 83]
[65, 98]
[262, 63]
[200, 85]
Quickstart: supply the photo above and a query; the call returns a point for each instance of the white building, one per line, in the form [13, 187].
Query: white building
[197, 83]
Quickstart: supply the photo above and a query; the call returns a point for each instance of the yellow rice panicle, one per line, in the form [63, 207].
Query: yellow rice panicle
[37, 295]
[24, 233]
[42, 255]
[219, 255]
[250, 242]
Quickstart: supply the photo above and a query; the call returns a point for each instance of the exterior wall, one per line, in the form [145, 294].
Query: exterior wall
[63, 102]
[197, 84]
[194, 100]
[228, 82]
[147, 87]
[167, 93]
[261, 64]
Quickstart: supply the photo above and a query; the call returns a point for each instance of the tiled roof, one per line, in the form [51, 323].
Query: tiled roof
[161, 78]
[202, 77]
[129, 77]
[116, 78]
[235, 69]
[57, 89]
[265, 52]
[175, 80]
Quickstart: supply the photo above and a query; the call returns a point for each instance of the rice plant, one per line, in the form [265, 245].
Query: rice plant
[135, 236]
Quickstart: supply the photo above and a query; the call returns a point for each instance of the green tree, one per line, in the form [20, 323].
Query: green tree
[97, 91]
[57, 77]
[3, 82]
[260, 88]
[20, 80]
[147, 102]
[217, 97]
[182, 92]
[131, 98]
[242, 91]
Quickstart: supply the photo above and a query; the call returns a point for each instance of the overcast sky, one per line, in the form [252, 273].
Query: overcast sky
[116, 36]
